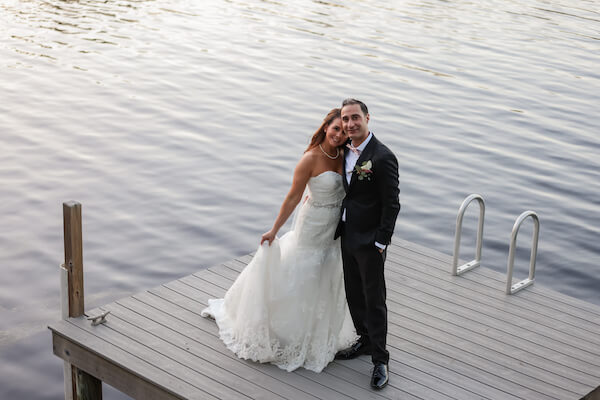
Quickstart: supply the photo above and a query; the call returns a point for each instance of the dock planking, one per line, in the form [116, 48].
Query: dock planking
[450, 337]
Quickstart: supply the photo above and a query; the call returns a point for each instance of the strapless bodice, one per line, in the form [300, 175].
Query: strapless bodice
[326, 189]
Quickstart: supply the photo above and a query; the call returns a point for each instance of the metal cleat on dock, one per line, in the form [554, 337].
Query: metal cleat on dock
[99, 319]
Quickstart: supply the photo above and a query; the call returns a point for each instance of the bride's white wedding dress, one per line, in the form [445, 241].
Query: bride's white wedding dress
[288, 306]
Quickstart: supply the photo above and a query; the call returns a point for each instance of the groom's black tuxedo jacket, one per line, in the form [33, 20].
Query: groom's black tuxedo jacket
[372, 203]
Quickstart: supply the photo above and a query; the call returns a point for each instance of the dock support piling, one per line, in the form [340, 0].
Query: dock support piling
[84, 386]
[64, 308]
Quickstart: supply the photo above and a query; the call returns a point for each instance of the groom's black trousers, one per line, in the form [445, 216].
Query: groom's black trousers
[365, 291]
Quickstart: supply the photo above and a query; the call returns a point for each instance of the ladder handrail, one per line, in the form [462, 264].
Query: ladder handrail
[510, 288]
[457, 270]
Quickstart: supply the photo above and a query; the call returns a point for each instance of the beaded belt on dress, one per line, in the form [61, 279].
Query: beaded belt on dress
[313, 203]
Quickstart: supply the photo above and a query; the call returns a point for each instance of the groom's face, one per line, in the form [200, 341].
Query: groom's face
[355, 123]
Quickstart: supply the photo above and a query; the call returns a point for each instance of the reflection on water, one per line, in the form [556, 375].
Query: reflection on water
[177, 125]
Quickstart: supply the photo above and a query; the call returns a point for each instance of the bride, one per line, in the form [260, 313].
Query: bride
[288, 306]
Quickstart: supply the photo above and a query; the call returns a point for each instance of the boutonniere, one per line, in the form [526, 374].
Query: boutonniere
[364, 171]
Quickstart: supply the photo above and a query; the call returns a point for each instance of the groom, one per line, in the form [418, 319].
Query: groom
[369, 214]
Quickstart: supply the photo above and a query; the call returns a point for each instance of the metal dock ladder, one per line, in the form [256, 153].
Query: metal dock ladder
[476, 262]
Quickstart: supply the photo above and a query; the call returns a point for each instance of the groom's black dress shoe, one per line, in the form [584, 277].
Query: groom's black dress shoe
[380, 376]
[357, 349]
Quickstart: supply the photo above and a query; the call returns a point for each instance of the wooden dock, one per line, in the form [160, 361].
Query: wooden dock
[450, 337]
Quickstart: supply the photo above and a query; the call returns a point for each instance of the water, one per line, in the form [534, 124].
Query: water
[177, 124]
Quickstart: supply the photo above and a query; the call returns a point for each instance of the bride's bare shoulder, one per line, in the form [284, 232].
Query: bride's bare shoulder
[310, 155]
[306, 163]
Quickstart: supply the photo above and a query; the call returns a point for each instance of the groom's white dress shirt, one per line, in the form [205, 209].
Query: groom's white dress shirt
[350, 162]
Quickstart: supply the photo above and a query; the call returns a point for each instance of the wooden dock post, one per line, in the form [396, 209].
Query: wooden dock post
[84, 386]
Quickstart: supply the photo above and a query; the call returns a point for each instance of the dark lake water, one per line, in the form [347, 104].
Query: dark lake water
[177, 124]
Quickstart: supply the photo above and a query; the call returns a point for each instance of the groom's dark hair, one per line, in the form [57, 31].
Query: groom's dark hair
[351, 101]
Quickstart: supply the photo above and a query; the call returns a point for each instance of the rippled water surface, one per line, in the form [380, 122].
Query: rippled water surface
[177, 124]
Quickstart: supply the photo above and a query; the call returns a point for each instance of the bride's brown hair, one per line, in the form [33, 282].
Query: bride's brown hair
[319, 134]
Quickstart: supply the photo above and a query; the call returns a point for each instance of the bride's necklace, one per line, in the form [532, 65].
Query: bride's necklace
[324, 152]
